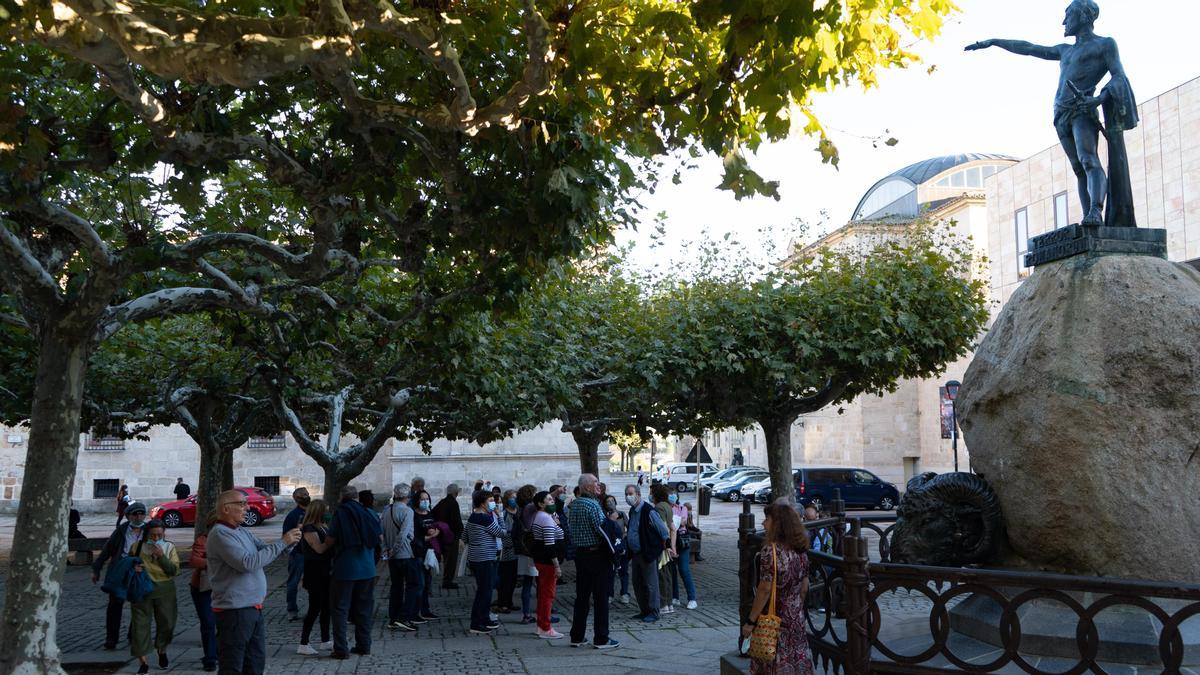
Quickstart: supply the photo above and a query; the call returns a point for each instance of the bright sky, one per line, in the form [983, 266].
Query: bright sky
[986, 101]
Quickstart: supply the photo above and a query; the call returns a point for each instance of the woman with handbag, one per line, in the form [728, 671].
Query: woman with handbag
[160, 560]
[776, 625]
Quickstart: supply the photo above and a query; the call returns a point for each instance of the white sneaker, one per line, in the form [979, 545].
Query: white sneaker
[306, 650]
[675, 602]
[691, 604]
[326, 645]
[494, 617]
[625, 599]
[666, 610]
[549, 635]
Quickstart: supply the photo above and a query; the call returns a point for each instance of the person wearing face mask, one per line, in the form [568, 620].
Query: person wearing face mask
[647, 539]
[447, 512]
[295, 557]
[404, 568]
[681, 566]
[507, 580]
[544, 540]
[526, 570]
[484, 536]
[660, 494]
[160, 560]
[425, 539]
[622, 566]
[123, 538]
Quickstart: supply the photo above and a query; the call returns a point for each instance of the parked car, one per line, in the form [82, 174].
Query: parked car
[681, 476]
[860, 488]
[731, 490]
[762, 493]
[182, 512]
[750, 490]
[727, 474]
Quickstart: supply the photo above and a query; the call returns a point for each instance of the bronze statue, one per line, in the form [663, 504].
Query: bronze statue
[1083, 65]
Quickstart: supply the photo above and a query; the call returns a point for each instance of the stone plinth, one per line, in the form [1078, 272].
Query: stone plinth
[1082, 409]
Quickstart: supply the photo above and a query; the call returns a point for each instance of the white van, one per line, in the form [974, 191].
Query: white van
[679, 475]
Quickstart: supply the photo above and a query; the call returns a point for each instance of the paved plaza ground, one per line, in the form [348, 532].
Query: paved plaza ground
[689, 641]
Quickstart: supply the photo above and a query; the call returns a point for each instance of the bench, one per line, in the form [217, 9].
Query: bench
[82, 549]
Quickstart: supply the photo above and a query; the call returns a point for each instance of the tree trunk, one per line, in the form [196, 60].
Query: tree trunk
[336, 478]
[588, 443]
[34, 585]
[214, 461]
[779, 455]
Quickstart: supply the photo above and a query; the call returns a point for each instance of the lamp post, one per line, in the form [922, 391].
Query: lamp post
[952, 393]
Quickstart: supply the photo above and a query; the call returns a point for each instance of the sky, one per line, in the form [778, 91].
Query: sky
[986, 101]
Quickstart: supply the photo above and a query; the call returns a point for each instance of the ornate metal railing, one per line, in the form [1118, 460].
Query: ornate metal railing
[883, 617]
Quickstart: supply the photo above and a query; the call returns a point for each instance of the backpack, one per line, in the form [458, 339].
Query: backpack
[616, 537]
[516, 534]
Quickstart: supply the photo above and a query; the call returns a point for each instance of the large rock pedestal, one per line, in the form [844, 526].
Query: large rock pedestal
[1082, 409]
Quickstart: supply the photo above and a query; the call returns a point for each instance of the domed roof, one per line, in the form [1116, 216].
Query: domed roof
[895, 194]
[925, 169]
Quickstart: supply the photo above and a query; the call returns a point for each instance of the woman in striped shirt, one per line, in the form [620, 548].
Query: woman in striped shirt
[546, 535]
[484, 531]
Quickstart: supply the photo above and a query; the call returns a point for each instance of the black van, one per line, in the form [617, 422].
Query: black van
[860, 488]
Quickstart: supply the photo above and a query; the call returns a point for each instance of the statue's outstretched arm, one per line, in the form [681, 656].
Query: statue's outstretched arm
[1020, 47]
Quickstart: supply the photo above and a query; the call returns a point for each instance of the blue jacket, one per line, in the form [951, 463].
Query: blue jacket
[123, 582]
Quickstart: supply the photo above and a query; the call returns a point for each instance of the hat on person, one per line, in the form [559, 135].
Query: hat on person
[135, 507]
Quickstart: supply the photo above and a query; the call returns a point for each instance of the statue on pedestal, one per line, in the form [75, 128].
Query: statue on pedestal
[1076, 120]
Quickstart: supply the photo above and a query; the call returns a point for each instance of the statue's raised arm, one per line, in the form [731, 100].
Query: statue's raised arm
[1082, 67]
[1020, 47]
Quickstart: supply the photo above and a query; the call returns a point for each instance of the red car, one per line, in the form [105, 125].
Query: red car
[259, 507]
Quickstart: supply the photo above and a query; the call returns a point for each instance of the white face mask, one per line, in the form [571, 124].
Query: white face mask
[631, 500]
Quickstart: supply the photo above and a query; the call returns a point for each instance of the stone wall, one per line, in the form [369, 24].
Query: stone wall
[149, 467]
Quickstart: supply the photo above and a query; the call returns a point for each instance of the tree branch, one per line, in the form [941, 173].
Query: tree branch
[834, 387]
[76, 226]
[176, 300]
[14, 320]
[24, 269]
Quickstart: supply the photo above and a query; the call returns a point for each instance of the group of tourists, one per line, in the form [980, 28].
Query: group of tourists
[514, 538]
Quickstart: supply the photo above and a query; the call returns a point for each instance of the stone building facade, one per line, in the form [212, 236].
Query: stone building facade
[149, 467]
[1040, 193]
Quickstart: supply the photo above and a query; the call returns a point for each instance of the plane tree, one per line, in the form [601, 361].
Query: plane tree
[767, 347]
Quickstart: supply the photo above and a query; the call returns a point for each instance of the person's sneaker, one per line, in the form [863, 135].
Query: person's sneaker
[163, 661]
[360, 651]
[493, 617]
[526, 620]
[479, 630]
[650, 618]
[293, 616]
[144, 668]
[210, 668]
[341, 656]
[578, 644]
[401, 625]
[624, 598]
[611, 644]
[493, 625]
[692, 604]
[675, 602]
[429, 616]
[326, 645]
[549, 635]
[306, 650]
[416, 622]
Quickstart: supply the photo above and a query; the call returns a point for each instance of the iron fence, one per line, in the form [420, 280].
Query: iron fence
[851, 630]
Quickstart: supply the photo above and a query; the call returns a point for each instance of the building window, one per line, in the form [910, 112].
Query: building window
[1061, 219]
[268, 484]
[105, 488]
[1022, 223]
[104, 444]
[973, 178]
[276, 442]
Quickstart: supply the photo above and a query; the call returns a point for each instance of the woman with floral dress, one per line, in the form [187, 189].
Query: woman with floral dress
[783, 563]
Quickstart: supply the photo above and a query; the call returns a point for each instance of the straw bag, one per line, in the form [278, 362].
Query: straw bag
[765, 637]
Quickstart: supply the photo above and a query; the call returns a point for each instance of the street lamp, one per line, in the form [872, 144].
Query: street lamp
[952, 393]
